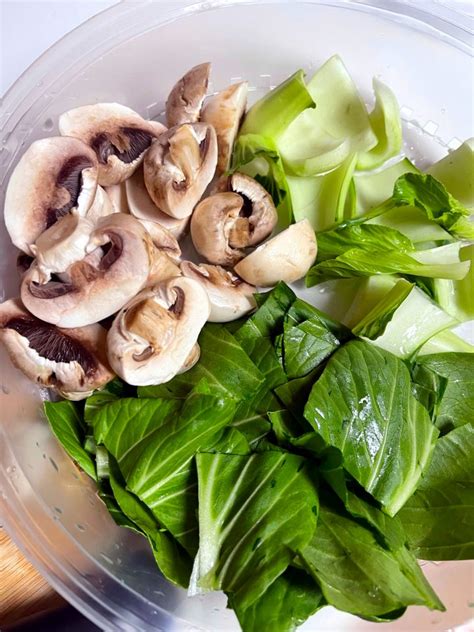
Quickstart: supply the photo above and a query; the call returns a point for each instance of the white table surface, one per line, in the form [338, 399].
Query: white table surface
[28, 28]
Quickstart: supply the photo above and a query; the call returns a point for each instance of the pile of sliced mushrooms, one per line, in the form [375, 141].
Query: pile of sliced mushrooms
[98, 214]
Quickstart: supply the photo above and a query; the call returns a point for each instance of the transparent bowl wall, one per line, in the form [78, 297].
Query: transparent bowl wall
[132, 54]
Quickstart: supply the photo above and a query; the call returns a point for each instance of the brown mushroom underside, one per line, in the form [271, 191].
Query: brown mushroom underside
[127, 145]
[69, 179]
[53, 344]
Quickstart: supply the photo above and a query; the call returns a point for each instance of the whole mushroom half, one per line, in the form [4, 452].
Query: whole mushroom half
[117, 267]
[179, 166]
[224, 224]
[229, 296]
[73, 362]
[153, 338]
[143, 208]
[286, 257]
[185, 99]
[54, 177]
[117, 134]
[224, 111]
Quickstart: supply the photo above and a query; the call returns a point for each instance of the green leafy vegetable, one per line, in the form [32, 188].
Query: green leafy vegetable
[365, 262]
[305, 346]
[454, 387]
[69, 429]
[439, 518]
[363, 405]
[425, 192]
[223, 363]
[173, 561]
[386, 123]
[357, 574]
[287, 603]
[337, 241]
[255, 513]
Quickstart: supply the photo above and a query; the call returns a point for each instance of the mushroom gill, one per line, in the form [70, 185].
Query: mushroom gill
[73, 362]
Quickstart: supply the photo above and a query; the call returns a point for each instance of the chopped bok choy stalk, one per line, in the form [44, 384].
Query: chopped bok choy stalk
[446, 341]
[387, 125]
[457, 297]
[374, 188]
[403, 321]
[321, 139]
[271, 115]
[322, 199]
[456, 172]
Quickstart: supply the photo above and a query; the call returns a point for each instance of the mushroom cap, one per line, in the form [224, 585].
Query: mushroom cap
[117, 134]
[179, 166]
[229, 296]
[116, 268]
[224, 111]
[153, 337]
[185, 99]
[142, 206]
[55, 176]
[73, 361]
[286, 257]
[258, 217]
[65, 242]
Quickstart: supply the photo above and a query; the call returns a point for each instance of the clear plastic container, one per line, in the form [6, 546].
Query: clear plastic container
[132, 54]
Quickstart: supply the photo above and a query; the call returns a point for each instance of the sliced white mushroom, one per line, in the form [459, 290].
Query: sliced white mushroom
[61, 245]
[118, 196]
[258, 216]
[167, 253]
[73, 362]
[65, 242]
[120, 257]
[179, 166]
[143, 208]
[286, 257]
[224, 111]
[185, 99]
[54, 177]
[117, 134]
[229, 296]
[153, 338]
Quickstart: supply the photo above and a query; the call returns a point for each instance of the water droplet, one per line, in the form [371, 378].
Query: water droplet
[48, 125]
[160, 593]
[80, 527]
[53, 463]
[58, 510]
[5, 389]
[44, 455]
